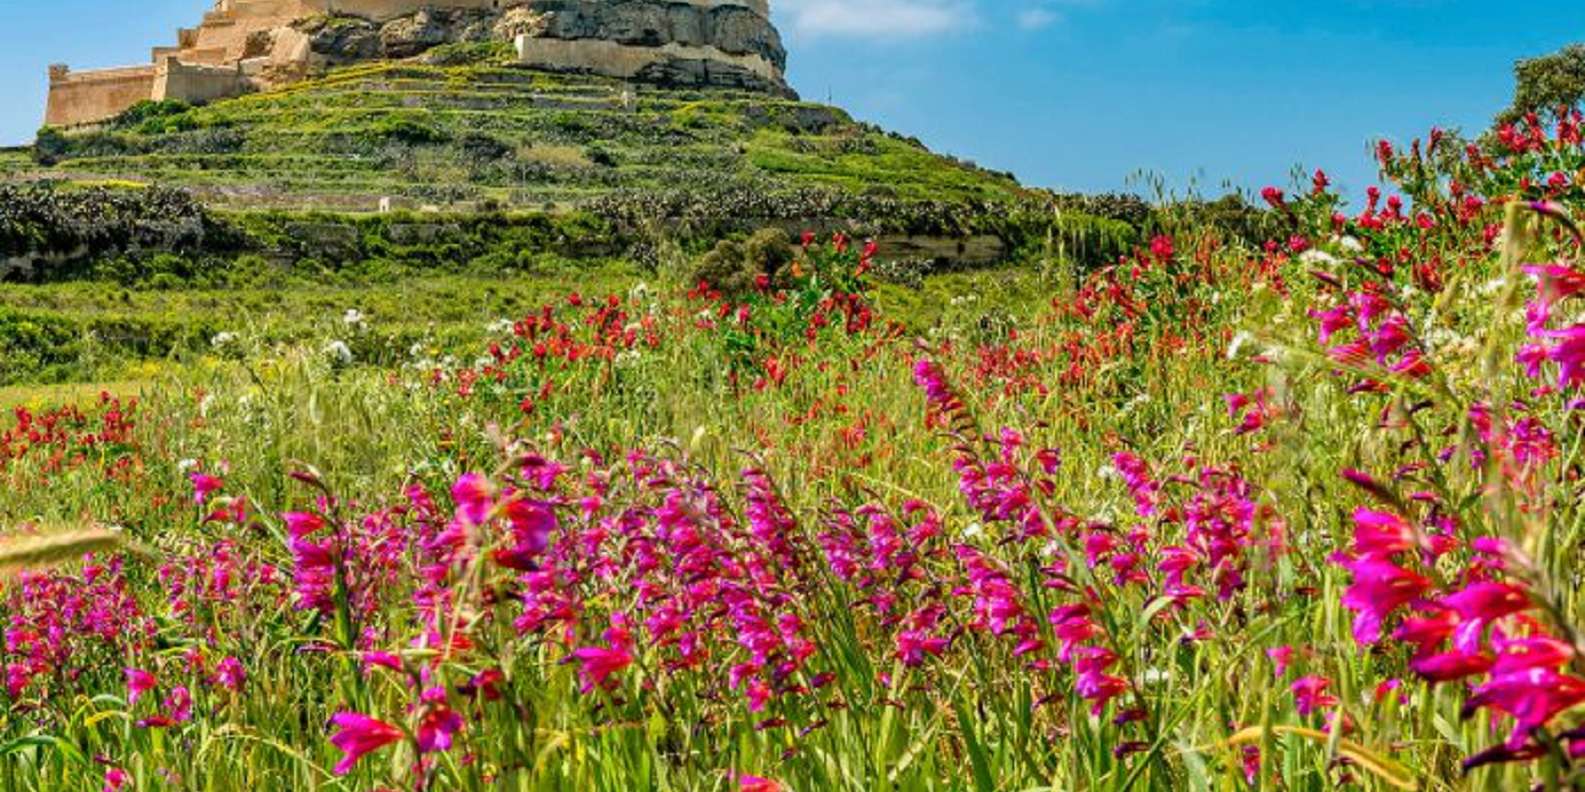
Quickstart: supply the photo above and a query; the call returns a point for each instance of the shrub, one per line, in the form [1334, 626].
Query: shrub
[405, 129]
[735, 265]
[51, 146]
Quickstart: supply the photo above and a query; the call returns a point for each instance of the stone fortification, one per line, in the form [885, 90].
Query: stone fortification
[248, 45]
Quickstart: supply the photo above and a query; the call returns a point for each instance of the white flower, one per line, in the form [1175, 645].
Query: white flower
[1351, 245]
[339, 352]
[1493, 286]
[1239, 342]
[353, 318]
[499, 327]
[1317, 257]
[186, 465]
[224, 339]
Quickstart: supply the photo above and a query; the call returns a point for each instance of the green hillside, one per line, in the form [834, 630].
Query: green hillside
[484, 134]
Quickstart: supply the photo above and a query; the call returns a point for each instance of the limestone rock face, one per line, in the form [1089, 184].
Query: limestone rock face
[736, 30]
[409, 36]
[343, 39]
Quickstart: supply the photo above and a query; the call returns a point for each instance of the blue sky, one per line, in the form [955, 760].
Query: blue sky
[1069, 94]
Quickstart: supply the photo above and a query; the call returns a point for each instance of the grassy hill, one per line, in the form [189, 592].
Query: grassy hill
[485, 134]
[502, 183]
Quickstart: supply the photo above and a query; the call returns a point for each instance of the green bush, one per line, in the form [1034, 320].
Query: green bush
[405, 129]
[735, 265]
[51, 146]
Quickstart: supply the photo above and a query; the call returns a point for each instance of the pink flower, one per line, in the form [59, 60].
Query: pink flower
[1280, 657]
[372, 660]
[1555, 282]
[748, 783]
[597, 665]
[230, 674]
[358, 735]
[1569, 354]
[1450, 666]
[203, 486]
[533, 523]
[1532, 698]
[1486, 601]
[438, 723]
[300, 525]
[471, 493]
[1379, 588]
[179, 704]
[1309, 694]
[1381, 533]
[115, 779]
[138, 683]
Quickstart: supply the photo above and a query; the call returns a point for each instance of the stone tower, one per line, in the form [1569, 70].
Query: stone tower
[248, 45]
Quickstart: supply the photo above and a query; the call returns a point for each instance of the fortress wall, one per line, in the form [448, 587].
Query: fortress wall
[94, 96]
[625, 61]
[197, 83]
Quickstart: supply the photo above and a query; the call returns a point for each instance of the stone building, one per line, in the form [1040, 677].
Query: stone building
[248, 45]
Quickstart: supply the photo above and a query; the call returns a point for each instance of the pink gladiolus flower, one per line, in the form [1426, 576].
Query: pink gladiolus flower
[203, 486]
[1280, 657]
[1569, 354]
[1381, 533]
[438, 723]
[373, 660]
[471, 494]
[1555, 282]
[138, 683]
[1532, 698]
[179, 704]
[1486, 601]
[300, 525]
[533, 523]
[230, 674]
[359, 735]
[1309, 694]
[1427, 633]
[1450, 666]
[929, 376]
[598, 665]
[1379, 588]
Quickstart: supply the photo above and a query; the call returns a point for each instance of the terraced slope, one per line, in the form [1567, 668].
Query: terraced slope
[488, 134]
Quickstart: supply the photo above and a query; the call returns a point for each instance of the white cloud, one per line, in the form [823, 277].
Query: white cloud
[876, 18]
[1037, 18]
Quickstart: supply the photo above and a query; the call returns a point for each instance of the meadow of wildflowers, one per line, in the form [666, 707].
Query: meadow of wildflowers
[1304, 516]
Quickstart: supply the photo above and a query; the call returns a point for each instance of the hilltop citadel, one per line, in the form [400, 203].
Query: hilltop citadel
[242, 46]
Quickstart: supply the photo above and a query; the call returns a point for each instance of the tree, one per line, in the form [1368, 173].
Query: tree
[1547, 83]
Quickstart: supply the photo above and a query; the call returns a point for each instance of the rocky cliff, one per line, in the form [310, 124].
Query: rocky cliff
[693, 32]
